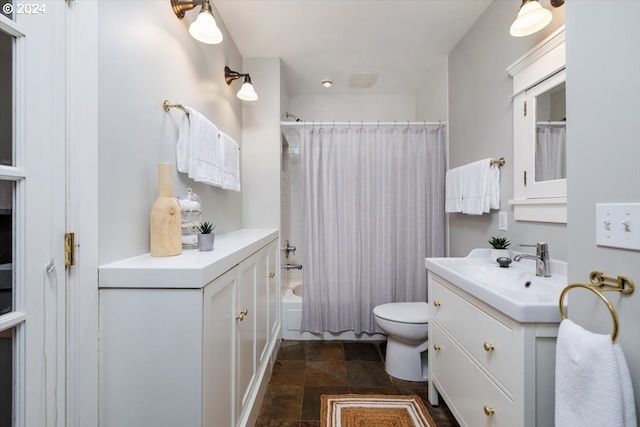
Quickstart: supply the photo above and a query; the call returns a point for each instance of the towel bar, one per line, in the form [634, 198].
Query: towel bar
[500, 162]
[167, 106]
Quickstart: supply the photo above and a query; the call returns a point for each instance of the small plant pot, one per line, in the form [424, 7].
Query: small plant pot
[205, 242]
[497, 253]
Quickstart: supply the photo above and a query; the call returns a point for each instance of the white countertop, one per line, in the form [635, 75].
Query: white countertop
[191, 269]
[505, 289]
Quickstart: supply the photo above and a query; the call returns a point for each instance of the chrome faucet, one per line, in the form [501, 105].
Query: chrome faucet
[543, 262]
[288, 249]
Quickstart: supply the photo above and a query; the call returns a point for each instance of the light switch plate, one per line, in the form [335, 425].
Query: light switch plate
[618, 225]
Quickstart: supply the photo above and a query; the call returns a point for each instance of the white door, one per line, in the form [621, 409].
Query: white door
[32, 214]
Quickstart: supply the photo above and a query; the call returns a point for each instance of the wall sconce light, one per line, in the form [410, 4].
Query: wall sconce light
[246, 92]
[532, 17]
[204, 28]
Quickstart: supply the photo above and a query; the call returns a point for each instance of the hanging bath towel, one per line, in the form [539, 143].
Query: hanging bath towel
[231, 163]
[593, 385]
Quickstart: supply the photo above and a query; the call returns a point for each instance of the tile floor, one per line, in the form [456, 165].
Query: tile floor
[304, 370]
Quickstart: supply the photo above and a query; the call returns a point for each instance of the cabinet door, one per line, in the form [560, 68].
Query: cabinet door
[219, 322]
[245, 312]
[262, 305]
[274, 294]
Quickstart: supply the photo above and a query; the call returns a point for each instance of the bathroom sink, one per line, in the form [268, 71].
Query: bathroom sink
[516, 291]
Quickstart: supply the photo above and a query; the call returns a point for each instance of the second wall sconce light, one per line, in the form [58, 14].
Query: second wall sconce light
[246, 92]
[204, 28]
[532, 17]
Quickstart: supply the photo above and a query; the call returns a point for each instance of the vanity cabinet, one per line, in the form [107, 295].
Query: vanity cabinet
[187, 341]
[490, 369]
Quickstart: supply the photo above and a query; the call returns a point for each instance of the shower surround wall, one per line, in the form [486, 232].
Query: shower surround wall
[291, 193]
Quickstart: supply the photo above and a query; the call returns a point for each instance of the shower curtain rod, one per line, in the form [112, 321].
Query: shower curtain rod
[357, 123]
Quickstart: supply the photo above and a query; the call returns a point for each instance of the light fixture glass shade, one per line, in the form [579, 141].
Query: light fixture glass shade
[532, 17]
[247, 93]
[204, 28]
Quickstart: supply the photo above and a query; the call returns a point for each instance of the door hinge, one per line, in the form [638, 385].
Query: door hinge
[525, 108]
[69, 249]
[525, 178]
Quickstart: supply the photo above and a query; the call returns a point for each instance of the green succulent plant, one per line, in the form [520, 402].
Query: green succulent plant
[205, 227]
[499, 242]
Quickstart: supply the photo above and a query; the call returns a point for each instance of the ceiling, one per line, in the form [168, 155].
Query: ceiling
[403, 41]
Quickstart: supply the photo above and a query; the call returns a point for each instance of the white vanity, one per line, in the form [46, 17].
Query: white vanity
[188, 340]
[492, 334]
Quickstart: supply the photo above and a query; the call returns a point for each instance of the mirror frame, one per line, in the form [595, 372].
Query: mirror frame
[536, 66]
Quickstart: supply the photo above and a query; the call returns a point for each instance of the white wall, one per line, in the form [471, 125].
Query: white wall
[432, 100]
[261, 147]
[481, 124]
[603, 157]
[145, 55]
[336, 107]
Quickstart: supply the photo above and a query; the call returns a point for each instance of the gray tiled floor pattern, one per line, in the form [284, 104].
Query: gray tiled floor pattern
[305, 370]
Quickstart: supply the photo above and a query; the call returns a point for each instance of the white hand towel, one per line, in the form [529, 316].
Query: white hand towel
[231, 165]
[475, 187]
[205, 150]
[182, 146]
[453, 190]
[593, 385]
[494, 186]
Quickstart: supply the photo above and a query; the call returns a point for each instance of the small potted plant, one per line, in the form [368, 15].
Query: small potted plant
[205, 236]
[499, 247]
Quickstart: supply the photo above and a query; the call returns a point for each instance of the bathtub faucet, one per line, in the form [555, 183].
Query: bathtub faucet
[288, 249]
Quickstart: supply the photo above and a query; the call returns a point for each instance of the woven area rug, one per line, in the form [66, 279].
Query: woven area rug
[373, 410]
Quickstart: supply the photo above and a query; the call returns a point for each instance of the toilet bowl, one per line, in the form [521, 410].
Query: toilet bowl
[407, 328]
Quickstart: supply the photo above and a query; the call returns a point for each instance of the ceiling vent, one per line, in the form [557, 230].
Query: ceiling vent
[363, 80]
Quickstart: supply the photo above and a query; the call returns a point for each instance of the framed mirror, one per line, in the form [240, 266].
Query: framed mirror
[551, 135]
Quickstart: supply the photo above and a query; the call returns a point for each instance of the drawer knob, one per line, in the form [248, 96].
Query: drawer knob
[489, 411]
[272, 275]
[243, 313]
[436, 303]
[436, 347]
[489, 347]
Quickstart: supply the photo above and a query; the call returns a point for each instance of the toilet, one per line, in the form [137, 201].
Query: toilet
[406, 326]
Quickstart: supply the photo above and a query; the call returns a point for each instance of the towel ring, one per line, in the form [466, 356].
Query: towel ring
[612, 310]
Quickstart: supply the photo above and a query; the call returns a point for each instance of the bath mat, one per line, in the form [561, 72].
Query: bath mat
[357, 410]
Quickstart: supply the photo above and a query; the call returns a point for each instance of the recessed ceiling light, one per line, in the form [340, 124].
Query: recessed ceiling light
[327, 83]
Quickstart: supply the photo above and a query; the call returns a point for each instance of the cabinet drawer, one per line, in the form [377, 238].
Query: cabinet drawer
[488, 340]
[467, 389]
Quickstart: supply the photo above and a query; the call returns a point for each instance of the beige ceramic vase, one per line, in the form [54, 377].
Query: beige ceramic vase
[166, 234]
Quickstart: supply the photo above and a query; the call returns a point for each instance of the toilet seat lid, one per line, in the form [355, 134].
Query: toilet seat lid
[403, 312]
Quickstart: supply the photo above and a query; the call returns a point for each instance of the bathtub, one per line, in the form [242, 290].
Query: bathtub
[292, 319]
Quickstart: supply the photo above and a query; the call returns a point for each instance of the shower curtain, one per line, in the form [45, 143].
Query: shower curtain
[373, 209]
[551, 153]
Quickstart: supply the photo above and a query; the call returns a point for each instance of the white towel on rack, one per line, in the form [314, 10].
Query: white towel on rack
[182, 146]
[593, 385]
[453, 190]
[231, 165]
[494, 186]
[205, 150]
[476, 184]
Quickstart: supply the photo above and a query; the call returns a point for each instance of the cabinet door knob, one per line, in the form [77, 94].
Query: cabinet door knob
[242, 314]
[436, 347]
[436, 303]
[489, 347]
[489, 411]
[272, 275]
